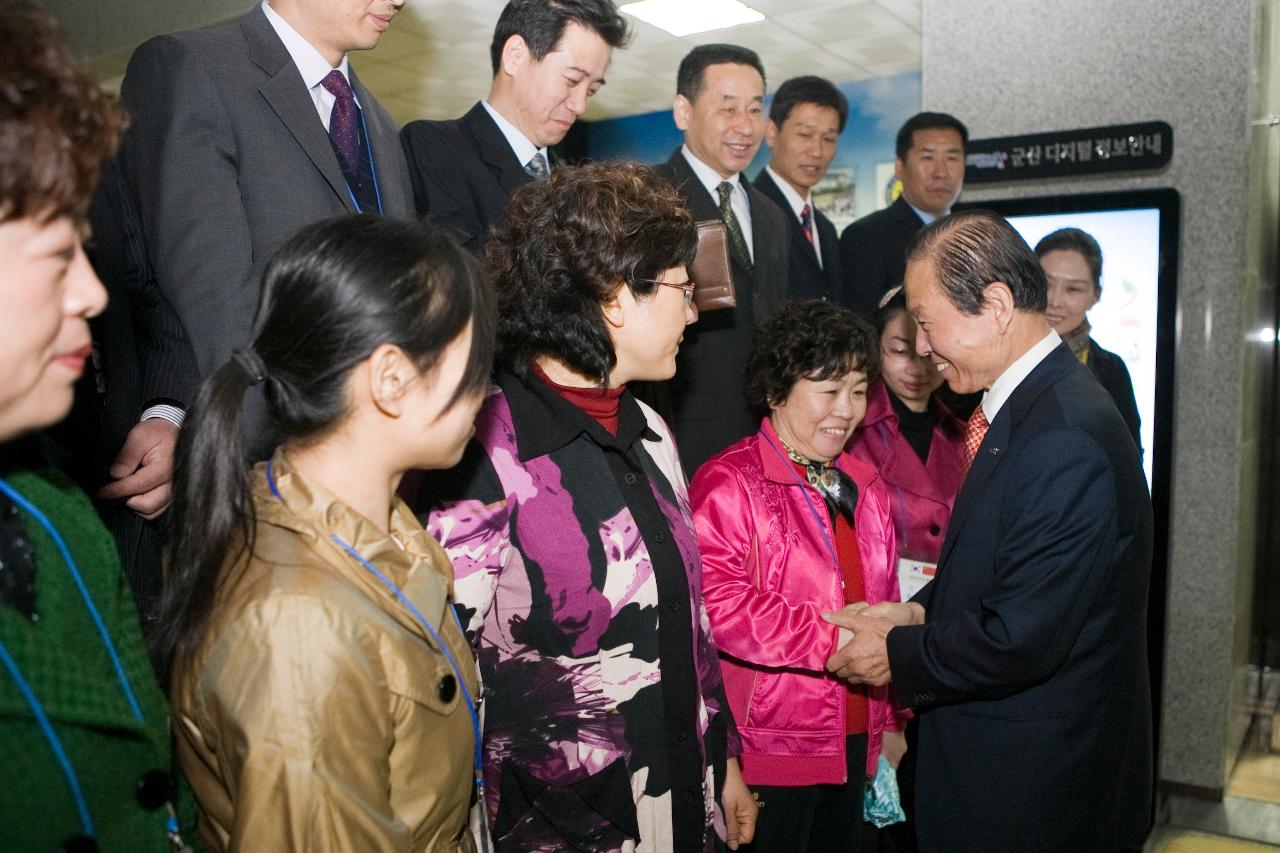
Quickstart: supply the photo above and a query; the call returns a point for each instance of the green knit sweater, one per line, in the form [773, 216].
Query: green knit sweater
[63, 658]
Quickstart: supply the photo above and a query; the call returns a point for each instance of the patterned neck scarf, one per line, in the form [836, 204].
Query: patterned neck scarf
[1078, 340]
[836, 487]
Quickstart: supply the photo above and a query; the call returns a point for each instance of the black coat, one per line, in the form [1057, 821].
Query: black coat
[874, 253]
[1030, 671]
[805, 279]
[705, 402]
[1112, 374]
[463, 171]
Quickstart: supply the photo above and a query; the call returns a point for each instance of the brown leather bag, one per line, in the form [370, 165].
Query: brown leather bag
[712, 278]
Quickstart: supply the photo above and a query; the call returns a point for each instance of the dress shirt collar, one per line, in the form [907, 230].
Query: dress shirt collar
[521, 145]
[709, 177]
[793, 198]
[311, 65]
[1013, 375]
[925, 216]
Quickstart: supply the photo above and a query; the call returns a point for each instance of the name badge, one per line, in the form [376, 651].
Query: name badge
[913, 575]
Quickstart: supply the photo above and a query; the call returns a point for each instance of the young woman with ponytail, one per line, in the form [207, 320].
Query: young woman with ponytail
[322, 689]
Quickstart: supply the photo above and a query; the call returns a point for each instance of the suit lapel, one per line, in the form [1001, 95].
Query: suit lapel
[769, 283]
[287, 95]
[384, 141]
[494, 149]
[799, 243]
[999, 435]
[830, 245]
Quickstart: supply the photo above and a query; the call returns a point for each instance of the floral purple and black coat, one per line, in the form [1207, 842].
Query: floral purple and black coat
[578, 580]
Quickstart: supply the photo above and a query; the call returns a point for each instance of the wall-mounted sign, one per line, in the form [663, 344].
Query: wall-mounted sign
[1067, 153]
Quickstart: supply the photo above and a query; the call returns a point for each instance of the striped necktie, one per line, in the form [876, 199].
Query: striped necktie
[725, 189]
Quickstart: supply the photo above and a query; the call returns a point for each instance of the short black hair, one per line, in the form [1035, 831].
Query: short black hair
[541, 24]
[1075, 240]
[972, 249]
[808, 339]
[693, 67]
[807, 90]
[928, 121]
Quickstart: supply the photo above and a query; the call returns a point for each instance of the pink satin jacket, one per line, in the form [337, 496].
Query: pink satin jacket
[920, 494]
[768, 573]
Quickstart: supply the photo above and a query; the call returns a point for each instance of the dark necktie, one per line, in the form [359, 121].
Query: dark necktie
[806, 223]
[537, 167]
[349, 144]
[731, 224]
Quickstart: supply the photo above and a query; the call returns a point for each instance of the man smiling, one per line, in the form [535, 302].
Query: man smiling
[549, 58]
[1025, 657]
[805, 121]
[719, 105]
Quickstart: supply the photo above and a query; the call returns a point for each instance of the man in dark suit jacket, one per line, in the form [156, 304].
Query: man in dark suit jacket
[231, 150]
[549, 59]
[805, 121]
[1026, 655]
[929, 163]
[720, 107]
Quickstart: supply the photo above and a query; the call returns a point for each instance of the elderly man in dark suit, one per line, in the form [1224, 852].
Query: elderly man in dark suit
[1026, 655]
[241, 134]
[806, 119]
[549, 58]
[720, 107]
[929, 163]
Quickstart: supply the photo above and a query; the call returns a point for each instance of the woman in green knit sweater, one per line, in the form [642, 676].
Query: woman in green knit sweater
[84, 741]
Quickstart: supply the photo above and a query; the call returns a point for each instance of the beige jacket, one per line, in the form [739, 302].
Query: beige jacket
[317, 714]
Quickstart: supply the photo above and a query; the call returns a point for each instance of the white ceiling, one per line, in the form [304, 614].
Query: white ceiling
[434, 61]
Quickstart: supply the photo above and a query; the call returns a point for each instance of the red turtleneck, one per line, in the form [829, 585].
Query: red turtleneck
[600, 403]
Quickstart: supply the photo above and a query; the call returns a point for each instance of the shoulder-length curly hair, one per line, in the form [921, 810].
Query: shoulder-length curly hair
[57, 126]
[810, 339]
[567, 245]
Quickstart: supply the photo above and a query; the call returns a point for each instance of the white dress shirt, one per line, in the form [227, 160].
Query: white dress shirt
[311, 65]
[925, 216]
[797, 203]
[1013, 375]
[521, 145]
[737, 199]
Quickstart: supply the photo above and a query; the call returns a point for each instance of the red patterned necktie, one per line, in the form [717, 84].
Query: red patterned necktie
[974, 431]
[344, 121]
[806, 223]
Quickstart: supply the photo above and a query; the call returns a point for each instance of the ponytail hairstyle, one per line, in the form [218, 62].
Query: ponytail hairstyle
[331, 295]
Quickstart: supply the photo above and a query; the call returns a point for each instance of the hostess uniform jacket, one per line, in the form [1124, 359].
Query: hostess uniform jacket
[121, 761]
[921, 493]
[767, 578]
[318, 714]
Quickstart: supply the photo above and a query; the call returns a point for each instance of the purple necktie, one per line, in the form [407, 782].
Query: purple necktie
[344, 124]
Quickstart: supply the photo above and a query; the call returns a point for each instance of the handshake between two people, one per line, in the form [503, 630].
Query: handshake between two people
[862, 655]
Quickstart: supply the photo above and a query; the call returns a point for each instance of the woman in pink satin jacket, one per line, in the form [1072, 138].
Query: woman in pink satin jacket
[790, 526]
[911, 438]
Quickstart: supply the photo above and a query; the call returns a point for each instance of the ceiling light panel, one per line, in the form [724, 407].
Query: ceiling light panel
[684, 18]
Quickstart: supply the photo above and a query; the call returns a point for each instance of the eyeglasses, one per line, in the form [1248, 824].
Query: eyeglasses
[687, 286]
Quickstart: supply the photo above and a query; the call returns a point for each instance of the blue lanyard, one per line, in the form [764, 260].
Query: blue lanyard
[417, 614]
[804, 490]
[373, 169]
[46, 727]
